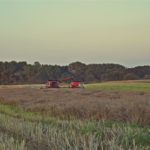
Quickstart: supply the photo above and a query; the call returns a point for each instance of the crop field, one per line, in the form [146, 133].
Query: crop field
[102, 116]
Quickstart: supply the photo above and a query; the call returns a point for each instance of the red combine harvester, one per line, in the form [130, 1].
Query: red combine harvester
[75, 84]
[52, 84]
[56, 83]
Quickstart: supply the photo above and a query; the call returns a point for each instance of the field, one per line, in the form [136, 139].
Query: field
[102, 116]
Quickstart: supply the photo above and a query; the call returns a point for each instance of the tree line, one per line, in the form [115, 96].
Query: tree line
[21, 72]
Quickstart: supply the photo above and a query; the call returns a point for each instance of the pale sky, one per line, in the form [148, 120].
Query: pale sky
[64, 31]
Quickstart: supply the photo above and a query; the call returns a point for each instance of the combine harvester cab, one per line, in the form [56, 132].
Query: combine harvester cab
[52, 84]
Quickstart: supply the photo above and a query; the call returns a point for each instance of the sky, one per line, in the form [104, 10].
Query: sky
[65, 31]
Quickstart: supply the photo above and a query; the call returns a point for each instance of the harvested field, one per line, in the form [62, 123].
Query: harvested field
[98, 104]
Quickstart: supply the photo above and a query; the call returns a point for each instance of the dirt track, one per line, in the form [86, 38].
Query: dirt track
[82, 103]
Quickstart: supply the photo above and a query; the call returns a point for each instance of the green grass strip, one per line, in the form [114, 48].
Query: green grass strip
[120, 86]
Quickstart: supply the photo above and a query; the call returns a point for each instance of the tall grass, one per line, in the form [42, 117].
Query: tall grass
[9, 143]
[29, 130]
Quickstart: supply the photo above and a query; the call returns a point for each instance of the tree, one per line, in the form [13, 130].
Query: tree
[130, 76]
[147, 76]
[78, 70]
[20, 72]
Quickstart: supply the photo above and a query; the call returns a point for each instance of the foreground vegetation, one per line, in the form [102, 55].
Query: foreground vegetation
[23, 130]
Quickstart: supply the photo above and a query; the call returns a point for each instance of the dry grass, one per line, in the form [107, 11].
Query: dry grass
[82, 103]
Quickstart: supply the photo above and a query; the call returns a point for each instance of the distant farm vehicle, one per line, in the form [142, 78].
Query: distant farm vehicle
[52, 84]
[56, 83]
[76, 84]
